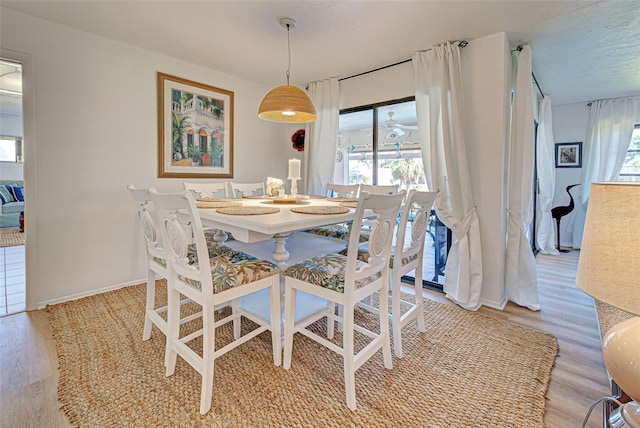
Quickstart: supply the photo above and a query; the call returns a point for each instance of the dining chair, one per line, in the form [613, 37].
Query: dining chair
[406, 256]
[211, 190]
[338, 230]
[208, 189]
[211, 282]
[157, 260]
[345, 280]
[239, 190]
[379, 188]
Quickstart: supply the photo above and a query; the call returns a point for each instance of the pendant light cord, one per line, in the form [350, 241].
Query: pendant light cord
[289, 50]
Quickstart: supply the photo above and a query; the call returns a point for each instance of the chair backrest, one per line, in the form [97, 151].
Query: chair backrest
[180, 233]
[385, 208]
[148, 222]
[239, 190]
[342, 190]
[378, 189]
[416, 210]
[209, 190]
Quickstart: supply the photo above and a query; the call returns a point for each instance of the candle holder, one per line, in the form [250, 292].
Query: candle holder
[294, 186]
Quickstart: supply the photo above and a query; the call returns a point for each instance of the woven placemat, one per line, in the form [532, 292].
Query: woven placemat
[466, 370]
[349, 204]
[340, 199]
[218, 204]
[248, 210]
[322, 210]
[256, 197]
[205, 199]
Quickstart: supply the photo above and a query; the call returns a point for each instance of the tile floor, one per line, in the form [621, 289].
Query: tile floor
[12, 280]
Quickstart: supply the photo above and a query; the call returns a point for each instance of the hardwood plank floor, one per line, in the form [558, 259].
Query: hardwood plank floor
[28, 362]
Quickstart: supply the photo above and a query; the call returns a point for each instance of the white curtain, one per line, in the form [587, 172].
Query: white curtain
[321, 136]
[520, 264]
[440, 113]
[609, 133]
[545, 229]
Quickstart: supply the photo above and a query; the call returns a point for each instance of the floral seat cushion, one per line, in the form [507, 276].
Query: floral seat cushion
[235, 268]
[363, 254]
[339, 231]
[326, 271]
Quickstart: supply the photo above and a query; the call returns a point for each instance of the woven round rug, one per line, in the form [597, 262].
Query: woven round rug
[11, 237]
[466, 370]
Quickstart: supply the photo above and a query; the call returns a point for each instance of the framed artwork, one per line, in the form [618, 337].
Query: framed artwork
[568, 155]
[195, 129]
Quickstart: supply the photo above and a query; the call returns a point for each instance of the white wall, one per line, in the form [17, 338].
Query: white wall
[486, 80]
[95, 131]
[569, 126]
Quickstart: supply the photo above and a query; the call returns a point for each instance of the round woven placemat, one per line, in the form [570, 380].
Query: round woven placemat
[248, 210]
[342, 199]
[322, 210]
[256, 197]
[205, 199]
[219, 204]
[349, 204]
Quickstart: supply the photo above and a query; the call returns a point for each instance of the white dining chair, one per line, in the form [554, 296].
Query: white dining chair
[208, 189]
[379, 189]
[338, 230]
[345, 280]
[406, 256]
[239, 190]
[211, 282]
[157, 261]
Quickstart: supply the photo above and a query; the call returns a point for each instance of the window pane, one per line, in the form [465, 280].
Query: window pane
[8, 150]
[631, 167]
[354, 162]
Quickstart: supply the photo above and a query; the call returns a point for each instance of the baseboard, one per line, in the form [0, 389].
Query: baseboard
[42, 305]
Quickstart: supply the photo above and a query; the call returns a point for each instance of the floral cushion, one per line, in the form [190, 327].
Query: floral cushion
[326, 271]
[363, 254]
[215, 250]
[235, 268]
[339, 231]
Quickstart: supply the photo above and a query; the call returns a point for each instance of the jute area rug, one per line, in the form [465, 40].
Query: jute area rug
[11, 236]
[467, 370]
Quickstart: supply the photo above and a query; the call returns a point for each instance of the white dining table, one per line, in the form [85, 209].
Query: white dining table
[277, 226]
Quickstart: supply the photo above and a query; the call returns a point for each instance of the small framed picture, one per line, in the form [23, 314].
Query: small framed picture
[569, 155]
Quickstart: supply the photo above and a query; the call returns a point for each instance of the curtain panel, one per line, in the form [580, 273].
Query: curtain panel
[321, 136]
[545, 229]
[520, 265]
[440, 114]
[611, 124]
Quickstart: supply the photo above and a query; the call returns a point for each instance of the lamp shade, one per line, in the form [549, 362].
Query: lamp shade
[288, 104]
[609, 265]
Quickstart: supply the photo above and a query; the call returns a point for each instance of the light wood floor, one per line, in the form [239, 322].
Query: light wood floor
[28, 362]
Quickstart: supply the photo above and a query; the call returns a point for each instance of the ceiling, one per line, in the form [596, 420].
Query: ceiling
[582, 50]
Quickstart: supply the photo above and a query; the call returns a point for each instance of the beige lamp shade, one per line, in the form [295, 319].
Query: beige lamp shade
[609, 266]
[288, 104]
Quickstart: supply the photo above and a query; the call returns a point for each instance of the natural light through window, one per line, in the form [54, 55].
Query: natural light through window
[631, 167]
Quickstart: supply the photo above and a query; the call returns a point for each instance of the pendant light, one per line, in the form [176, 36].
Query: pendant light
[287, 103]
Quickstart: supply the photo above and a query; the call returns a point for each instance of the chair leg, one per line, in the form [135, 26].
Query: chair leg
[208, 359]
[274, 305]
[419, 299]
[237, 320]
[150, 304]
[173, 330]
[331, 319]
[395, 315]
[384, 329]
[349, 359]
[289, 318]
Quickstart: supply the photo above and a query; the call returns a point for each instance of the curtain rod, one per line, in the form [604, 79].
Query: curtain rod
[461, 43]
[519, 49]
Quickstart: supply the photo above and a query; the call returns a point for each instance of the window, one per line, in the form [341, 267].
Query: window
[379, 144]
[10, 149]
[631, 167]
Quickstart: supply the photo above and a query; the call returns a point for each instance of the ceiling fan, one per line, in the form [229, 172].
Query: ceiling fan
[394, 128]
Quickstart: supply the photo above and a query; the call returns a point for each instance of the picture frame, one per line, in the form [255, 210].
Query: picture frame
[569, 155]
[195, 129]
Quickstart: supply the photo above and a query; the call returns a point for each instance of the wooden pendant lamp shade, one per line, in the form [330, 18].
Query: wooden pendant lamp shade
[287, 103]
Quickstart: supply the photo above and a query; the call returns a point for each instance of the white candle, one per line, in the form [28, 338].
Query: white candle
[294, 169]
